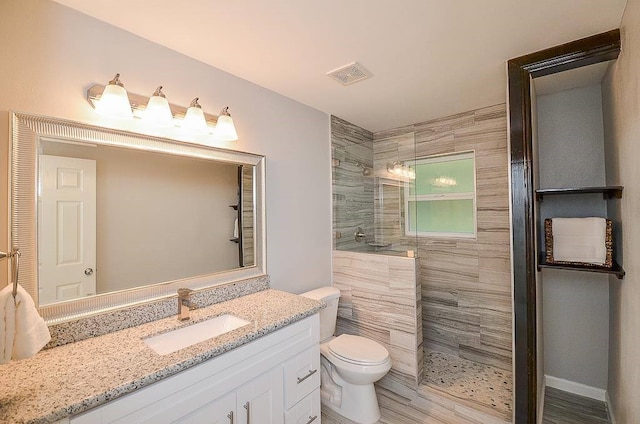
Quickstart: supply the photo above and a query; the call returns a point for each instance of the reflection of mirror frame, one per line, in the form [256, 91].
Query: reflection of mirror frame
[26, 130]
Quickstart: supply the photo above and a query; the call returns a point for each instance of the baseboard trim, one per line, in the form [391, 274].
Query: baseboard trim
[541, 400]
[612, 418]
[575, 388]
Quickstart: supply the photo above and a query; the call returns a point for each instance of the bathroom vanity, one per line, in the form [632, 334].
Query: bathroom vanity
[267, 371]
[101, 366]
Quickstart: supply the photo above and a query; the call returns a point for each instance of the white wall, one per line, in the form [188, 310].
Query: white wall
[621, 104]
[576, 304]
[50, 55]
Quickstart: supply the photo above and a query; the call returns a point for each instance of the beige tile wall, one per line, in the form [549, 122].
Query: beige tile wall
[380, 299]
[466, 284]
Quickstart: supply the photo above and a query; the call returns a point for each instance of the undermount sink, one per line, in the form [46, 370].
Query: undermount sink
[182, 337]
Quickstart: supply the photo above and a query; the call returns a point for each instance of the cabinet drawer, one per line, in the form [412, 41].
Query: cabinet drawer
[307, 411]
[301, 375]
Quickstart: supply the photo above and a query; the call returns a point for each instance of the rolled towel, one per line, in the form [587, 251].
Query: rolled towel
[579, 240]
[25, 330]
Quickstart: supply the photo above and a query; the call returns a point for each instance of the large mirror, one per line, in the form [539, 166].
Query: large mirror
[108, 218]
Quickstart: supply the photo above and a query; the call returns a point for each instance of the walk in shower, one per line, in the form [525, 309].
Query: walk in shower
[423, 209]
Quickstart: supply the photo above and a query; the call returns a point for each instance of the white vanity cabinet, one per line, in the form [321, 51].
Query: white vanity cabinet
[274, 379]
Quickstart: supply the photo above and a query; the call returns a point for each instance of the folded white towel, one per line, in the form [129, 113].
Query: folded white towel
[579, 240]
[25, 332]
[235, 228]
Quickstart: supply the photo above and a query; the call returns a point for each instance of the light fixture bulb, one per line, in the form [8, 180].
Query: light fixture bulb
[158, 112]
[194, 119]
[114, 101]
[225, 130]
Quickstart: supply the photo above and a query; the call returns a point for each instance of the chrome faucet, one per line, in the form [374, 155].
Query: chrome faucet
[184, 304]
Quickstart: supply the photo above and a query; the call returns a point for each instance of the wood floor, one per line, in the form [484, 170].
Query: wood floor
[567, 408]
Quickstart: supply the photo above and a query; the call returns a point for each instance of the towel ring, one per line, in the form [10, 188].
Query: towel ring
[15, 267]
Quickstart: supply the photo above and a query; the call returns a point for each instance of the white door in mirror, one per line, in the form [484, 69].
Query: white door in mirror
[67, 245]
[182, 337]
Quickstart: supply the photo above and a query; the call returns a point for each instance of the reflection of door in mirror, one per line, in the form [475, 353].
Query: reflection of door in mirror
[67, 235]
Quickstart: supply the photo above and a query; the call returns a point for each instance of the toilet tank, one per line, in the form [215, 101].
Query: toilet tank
[328, 315]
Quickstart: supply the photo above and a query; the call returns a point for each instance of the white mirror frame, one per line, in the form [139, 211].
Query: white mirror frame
[26, 130]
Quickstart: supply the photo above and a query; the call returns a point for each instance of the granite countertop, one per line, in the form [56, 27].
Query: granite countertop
[76, 377]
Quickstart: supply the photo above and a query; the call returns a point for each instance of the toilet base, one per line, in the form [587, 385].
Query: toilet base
[358, 402]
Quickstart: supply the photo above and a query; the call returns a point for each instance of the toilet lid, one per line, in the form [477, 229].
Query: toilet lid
[358, 350]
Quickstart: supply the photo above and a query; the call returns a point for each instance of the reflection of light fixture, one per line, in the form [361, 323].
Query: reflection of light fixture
[225, 130]
[401, 170]
[158, 112]
[444, 182]
[114, 101]
[194, 119]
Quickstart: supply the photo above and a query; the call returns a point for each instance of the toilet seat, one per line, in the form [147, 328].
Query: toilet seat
[358, 350]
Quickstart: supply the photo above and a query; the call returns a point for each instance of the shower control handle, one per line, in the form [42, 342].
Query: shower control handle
[359, 234]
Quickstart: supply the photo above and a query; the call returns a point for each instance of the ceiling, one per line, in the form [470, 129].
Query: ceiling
[428, 58]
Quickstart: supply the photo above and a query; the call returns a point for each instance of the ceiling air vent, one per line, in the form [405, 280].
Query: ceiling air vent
[350, 73]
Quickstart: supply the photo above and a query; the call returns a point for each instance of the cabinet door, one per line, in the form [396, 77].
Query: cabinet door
[307, 411]
[220, 411]
[260, 401]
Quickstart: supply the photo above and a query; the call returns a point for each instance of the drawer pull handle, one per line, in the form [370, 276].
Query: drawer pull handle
[312, 419]
[230, 416]
[247, 406]
[301, 379]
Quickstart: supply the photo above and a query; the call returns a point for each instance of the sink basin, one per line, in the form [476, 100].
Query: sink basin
[182, 337]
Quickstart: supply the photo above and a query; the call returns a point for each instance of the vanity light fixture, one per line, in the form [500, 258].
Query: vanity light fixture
[225, 130]
[401, 170]
[194, 119]
[159, 112]
[114, 101]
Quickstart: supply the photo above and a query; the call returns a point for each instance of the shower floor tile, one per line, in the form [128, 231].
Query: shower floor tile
[470, 382]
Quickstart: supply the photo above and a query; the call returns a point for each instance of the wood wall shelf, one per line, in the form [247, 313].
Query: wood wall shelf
[616, 269]
[608, 192]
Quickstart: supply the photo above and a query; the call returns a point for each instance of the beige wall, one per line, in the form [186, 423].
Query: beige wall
[51, 54]
[621, 107]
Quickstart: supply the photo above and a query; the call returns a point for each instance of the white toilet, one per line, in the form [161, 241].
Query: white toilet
[350, 365]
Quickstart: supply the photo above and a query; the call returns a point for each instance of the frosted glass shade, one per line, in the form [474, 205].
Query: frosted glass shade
[114, 103]
[225, 130]
[158, 112]
[194, 120]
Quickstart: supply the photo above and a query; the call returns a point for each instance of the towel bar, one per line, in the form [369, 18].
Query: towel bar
[15, 266]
